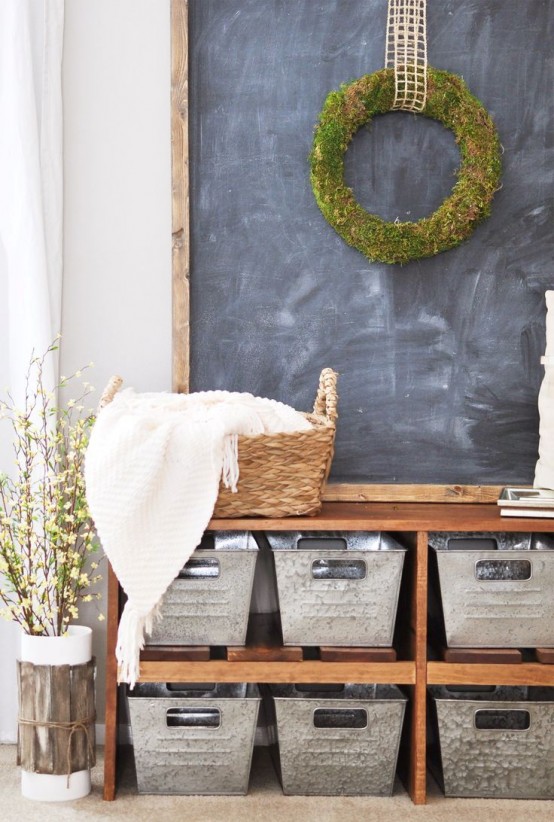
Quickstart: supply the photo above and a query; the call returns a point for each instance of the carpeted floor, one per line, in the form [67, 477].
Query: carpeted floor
[264, 803]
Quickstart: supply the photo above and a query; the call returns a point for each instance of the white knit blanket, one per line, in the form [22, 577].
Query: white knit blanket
[152, 472]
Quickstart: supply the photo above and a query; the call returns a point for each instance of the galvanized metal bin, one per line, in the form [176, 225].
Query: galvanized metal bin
[337, 740]
[209, 601]
[496, 744]
[496, 589]
[337, 588]
[196, 740]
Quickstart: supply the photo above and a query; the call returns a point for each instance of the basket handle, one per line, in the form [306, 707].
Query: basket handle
[326, 400]
[110, 391]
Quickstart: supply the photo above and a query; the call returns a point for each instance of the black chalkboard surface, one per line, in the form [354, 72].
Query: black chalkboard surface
[438, 359]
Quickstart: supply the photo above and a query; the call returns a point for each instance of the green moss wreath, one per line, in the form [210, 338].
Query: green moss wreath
[448, 101]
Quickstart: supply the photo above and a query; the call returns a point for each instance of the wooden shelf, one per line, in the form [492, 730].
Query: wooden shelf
[401, 516]
[399, 673]
[524, 673]
[412, 522]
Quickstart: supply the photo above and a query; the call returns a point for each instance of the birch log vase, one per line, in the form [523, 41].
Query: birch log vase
[544, 471]
[56, 685]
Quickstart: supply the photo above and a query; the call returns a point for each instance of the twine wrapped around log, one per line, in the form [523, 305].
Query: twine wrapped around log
[56, 732]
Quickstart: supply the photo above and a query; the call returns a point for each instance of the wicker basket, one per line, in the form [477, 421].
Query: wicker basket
[280, 474]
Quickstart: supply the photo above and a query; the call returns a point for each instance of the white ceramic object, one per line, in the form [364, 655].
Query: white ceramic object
[73, 649]
[544, 470]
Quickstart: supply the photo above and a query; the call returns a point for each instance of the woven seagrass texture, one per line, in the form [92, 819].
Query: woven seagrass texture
[280, 474]
[284, 474]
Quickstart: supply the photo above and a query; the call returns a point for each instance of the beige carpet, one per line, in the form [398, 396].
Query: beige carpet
[264, 803]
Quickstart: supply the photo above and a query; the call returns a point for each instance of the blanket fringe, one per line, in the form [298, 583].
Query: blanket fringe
[230, 469]
[130, 642]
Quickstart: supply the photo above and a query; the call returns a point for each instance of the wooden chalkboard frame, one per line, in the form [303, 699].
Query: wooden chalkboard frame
[181, 281]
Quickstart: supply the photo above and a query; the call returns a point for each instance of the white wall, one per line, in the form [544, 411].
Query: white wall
[8, 631]
[117, 247]
[117, 164]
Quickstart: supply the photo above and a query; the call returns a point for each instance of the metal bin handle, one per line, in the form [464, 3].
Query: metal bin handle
[339, 569]
[200, 569]
[502, 719]
[185, 717]
[503, 570]
[333, 718]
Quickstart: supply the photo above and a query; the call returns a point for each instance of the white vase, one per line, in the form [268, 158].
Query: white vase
[73, 649]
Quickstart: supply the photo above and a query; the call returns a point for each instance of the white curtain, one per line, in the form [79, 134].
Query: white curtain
[31, 40]
[31, 43]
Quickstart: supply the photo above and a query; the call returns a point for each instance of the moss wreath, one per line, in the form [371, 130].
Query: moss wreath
[448, 101]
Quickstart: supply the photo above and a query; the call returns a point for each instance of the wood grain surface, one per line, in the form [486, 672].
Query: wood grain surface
[56, 694]
[401, 516]
[111, 711]
[525, 673]
[402, 673]
[180, 195]
[495, 656]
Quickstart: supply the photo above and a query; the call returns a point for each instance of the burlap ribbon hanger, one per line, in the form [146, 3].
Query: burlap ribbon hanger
[406, 53]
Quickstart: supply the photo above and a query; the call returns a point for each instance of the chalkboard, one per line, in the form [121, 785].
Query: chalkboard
[438, 359]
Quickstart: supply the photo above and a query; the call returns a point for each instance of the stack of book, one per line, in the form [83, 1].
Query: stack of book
[527, 502]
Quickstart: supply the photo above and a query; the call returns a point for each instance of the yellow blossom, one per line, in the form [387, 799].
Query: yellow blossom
[45, 531]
